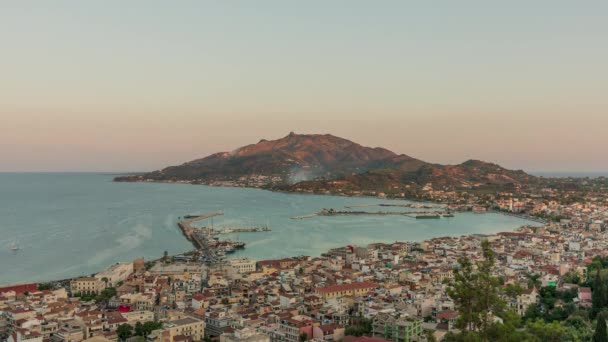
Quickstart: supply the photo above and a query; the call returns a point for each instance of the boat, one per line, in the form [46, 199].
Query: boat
[14, 247]
[428, 216]
[448, 215]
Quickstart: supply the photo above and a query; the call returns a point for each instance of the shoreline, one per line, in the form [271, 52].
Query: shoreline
[286, 191]
[75, 276]
[155, 260]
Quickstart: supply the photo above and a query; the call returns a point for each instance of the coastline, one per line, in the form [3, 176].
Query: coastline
[155, 251]
[284, 191]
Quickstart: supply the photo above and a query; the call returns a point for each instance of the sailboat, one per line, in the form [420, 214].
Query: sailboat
[14, 247]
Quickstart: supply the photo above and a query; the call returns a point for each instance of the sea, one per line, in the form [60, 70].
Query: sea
[76, 224]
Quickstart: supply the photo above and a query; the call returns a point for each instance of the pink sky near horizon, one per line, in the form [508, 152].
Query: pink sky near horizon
[106, 87]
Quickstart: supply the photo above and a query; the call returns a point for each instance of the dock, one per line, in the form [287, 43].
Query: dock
[428, 214]
[242, 230]
[202, 238]
[401, 205]
[304, 216]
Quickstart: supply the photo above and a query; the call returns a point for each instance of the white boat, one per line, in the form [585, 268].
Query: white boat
[14, 247]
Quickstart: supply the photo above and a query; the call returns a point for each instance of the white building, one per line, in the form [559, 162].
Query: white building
[115, 273]
[243, 265]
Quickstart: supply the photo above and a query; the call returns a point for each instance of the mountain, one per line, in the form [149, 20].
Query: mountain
[309, 162]
[292, 158]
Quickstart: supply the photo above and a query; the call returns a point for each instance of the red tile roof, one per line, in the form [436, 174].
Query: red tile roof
[33, 287]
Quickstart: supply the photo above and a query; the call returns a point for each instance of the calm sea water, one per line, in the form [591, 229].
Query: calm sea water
[71, 224]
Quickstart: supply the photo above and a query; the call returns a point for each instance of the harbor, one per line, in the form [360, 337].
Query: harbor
[203, 238]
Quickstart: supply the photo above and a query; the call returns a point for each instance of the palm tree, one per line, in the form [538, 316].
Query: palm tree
[533, 280]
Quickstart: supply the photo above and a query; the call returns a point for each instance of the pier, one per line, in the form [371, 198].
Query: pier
[242, 230]
[404, 205]
[413, 214]
[304, 216]
[213, 249]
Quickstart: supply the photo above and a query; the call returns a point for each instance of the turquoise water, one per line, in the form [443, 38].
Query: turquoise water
[70, 224]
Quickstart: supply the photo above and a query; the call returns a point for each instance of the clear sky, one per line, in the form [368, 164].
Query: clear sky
[138, 85]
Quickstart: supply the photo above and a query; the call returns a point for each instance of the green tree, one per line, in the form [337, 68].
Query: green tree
[150, 326]
[600, 334]
[139, 329]
[476, 294]
[532, 313]
[124, 331]
[105, 295]
[533, 280]
[513, 290]
[464, 294]
[572, 277]
[548, 332]
[303, 337]
[598, 296]
[490, 301]
[45, 286]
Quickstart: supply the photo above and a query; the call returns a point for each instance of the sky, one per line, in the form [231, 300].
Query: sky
[139, 85]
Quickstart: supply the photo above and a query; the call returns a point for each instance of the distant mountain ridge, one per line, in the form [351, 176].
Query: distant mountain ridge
[315, 160]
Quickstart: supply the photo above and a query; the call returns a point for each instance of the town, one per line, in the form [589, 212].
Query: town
[380, 292]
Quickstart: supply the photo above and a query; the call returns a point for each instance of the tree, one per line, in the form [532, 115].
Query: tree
[533, 280]
[489, 289]
[476, 294]
[150, 326]
[45, 286]
[572, 277]
[548, 332]
[124, 331]
[513, 290]
[139, 329]
[361, 327]
[463, 292]
[600, 334]
[105, 295]
[599, 295]
[303, 337]
[165, 256]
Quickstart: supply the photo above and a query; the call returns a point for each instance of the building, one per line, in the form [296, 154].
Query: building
[328, 332]
[179, 330]
[24, 335]
[243, 265]
[216, 323]
[245, 335]
[139, 265]
[86, 285]
[404, 329]
[71, 331]
[114, 274]
[354, 289]
[141, 316]
[527, 298]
